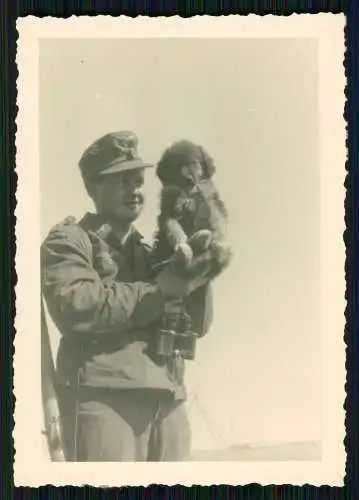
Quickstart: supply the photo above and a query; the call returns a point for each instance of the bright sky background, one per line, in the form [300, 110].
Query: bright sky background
[254, 105]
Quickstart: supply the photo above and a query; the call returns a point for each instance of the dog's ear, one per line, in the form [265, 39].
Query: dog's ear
[164, 170]
[207, 164]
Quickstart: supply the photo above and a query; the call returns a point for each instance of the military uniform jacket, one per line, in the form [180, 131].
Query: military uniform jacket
[106, 306]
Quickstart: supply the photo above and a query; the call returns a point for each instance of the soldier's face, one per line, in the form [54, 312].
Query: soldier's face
[120, 196]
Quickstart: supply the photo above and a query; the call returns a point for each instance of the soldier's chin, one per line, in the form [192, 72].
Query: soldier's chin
[133, 211]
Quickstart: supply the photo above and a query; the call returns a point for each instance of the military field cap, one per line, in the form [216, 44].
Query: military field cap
[112, 153]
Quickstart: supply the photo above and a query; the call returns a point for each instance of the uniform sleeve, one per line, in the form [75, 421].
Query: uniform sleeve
[200, 307]
[79, 302]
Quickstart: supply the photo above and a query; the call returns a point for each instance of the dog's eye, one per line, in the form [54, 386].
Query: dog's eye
[186, 171]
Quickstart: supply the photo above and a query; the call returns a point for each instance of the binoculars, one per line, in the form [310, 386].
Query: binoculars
[175, 337]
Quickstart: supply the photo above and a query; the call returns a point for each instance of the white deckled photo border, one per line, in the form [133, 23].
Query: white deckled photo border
[30, 469]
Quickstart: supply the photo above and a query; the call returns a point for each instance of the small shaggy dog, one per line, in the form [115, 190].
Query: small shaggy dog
[192, 223]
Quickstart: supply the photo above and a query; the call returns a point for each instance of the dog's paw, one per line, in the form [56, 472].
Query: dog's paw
[200, 240]
[221, 254]
[183, 254]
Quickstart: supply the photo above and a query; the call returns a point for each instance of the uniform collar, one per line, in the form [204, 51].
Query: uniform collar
[97, 224]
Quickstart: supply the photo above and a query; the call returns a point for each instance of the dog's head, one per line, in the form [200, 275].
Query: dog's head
[185, 164]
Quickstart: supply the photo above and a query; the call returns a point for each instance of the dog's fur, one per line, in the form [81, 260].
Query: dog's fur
[192, 222]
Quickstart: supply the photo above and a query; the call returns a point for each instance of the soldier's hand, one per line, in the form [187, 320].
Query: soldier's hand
[173, 286]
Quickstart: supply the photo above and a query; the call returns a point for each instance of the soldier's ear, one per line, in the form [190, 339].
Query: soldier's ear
[94, 189]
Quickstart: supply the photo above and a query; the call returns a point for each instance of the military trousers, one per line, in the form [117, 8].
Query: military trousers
[109, 425]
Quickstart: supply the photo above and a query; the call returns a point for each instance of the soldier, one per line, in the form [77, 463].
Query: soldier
[119, 400]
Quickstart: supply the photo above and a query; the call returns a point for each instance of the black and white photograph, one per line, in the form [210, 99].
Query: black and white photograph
[180, 254]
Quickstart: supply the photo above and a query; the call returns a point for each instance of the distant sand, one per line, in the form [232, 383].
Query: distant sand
[303, 451]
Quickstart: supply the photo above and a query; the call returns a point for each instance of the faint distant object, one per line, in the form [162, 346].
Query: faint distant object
[306, 451]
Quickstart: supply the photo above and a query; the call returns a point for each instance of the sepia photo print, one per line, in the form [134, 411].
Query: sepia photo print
[187, 212]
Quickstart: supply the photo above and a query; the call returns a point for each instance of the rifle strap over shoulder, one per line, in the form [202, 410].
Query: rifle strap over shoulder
[49, 399]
